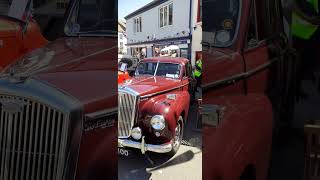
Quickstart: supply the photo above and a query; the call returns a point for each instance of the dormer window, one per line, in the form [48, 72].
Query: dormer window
[137, 25]
[166, 15]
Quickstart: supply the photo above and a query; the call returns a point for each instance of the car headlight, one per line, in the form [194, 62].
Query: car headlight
[158, 122]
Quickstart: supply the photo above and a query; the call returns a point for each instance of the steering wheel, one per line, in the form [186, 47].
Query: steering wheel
[306, 12]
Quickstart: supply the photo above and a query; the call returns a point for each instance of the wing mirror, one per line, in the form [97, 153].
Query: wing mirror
[123, 67]
[210, 115]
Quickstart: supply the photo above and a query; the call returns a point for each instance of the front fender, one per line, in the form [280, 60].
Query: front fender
[242, 138]
[170, 109]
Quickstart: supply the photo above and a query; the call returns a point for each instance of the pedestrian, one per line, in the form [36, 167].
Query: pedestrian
[198, 71]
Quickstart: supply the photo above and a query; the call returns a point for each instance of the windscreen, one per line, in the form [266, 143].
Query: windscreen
[220, 21]
[168, 70]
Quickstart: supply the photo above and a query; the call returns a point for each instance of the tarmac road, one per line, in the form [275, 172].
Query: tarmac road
[185, 165]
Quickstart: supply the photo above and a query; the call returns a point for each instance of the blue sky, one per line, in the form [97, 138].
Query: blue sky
[126, 7]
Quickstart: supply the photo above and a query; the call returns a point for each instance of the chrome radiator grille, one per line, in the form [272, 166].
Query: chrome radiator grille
[33, 138]
[126, 113]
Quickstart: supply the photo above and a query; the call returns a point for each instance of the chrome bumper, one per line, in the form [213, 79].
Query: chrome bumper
[163, 148]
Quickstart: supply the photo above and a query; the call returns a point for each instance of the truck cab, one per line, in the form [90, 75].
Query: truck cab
[247, 86]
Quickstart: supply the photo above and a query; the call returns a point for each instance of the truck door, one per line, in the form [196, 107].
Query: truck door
[222, 62]
[255, 48]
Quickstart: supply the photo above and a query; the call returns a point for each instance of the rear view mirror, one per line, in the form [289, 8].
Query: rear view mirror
[123, 67]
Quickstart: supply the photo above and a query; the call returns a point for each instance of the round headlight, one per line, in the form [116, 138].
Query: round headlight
[136, 133]
[158, 122]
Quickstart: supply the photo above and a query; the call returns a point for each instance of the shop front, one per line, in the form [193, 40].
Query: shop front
[153, 48]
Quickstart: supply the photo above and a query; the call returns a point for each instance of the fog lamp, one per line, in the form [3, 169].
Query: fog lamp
[158, 122]
[136, 133]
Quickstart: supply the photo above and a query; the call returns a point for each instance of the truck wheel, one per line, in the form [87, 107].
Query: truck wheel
[177, 137]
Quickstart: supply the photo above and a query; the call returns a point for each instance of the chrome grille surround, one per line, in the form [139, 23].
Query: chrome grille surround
[127, 111]
[33, 139]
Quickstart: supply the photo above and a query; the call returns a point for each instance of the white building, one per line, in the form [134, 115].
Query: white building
[122, 38]
[162, 23]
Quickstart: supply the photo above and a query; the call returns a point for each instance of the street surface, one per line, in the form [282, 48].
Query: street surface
[185, 165]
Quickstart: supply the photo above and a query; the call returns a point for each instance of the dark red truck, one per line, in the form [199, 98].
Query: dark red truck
[248, 86]
[58, 113]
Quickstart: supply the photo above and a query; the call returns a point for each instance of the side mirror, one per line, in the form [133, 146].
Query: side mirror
[123, 67]
[210, 115]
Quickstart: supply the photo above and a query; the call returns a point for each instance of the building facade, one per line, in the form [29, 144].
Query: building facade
[163, 23]
[122, 38]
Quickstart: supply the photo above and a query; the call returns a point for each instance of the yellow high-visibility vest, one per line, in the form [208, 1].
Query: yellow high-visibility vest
[197, 73]
[300, 27]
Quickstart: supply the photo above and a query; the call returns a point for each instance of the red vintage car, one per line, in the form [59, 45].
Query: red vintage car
[58, 110]
[154, 105]
[18, 37]
[248, 86]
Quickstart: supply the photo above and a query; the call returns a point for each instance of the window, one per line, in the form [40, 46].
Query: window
[161, 17]
[121, 45]
[166, 15]
[252, 34]
[121, 36]
[170, 13]
[199, 11]
[137, 25]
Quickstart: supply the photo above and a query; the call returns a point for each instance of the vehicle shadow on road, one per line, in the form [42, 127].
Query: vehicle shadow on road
[138, 166]
[182, 158]
[141, 167]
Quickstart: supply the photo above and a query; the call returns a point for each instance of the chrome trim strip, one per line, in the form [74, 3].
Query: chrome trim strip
[163, 148]
[125, 89]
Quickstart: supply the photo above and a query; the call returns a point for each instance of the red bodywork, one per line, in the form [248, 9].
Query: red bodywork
[239, 79]
[14, 42]
[122, 76]
[153, 91]
[83, 69]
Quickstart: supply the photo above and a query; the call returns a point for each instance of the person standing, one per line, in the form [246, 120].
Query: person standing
[306, 35]
[198, 71]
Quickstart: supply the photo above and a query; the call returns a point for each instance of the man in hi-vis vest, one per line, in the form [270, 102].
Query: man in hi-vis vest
[306, 38]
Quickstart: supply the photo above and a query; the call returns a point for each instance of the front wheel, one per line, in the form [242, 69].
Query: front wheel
[177, 139]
